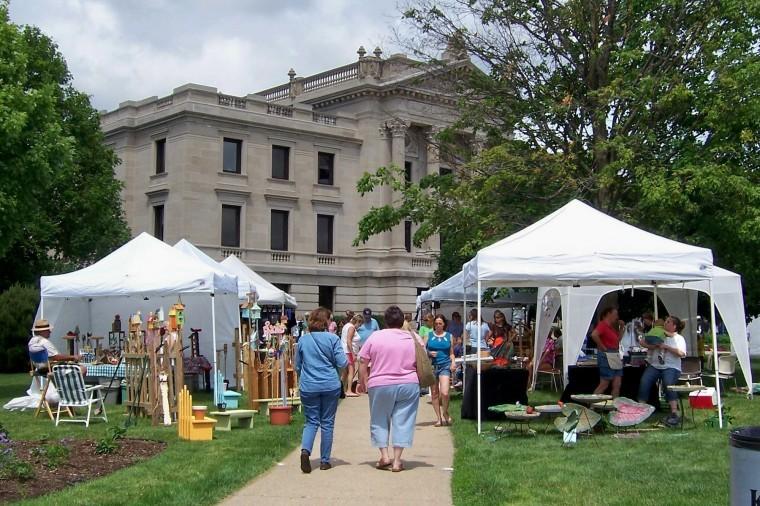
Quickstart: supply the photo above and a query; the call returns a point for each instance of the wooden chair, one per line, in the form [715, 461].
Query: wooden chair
[70, 383]
[188, 426]
[555, 374]
[40, 372]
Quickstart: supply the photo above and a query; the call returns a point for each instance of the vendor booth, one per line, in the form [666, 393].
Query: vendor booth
[145, 275]
[578, 246]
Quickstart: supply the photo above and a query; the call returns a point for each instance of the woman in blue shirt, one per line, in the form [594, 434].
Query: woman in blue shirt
[318, 358]
[440, 348]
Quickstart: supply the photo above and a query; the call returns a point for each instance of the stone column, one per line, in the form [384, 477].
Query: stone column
[398, 128]
[433, 159]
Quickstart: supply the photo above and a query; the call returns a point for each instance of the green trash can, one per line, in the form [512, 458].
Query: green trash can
[745, 466]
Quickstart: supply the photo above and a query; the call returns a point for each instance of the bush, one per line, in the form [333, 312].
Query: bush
[18, 306]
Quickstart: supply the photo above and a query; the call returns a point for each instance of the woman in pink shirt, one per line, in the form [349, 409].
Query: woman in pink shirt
[393, 388]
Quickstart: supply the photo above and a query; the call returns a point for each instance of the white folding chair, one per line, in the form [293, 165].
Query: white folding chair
[74, 394]
[727, 368]
[691, 370]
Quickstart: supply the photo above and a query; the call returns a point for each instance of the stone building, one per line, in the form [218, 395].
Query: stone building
[271, 177]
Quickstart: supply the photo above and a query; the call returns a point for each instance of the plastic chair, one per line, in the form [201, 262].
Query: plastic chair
[691, 370]
[727, 368]
[74, 393]
[40, 368]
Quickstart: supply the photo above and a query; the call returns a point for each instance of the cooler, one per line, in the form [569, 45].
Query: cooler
[703, 399]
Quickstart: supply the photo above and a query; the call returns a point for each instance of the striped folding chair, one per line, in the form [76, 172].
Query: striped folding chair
[74, 394]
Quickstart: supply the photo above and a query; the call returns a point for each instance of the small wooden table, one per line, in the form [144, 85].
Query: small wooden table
[243, 416]
[549, 411]
[521, 420]
[684, 391]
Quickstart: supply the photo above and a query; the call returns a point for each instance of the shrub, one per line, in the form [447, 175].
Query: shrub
[18, 306]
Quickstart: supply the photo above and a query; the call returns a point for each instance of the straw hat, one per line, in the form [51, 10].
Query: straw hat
[42, 325]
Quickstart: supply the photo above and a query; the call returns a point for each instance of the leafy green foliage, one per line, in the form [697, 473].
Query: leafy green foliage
[60, 206]
[647, 110]
[18, 305]
[108, 444]
[10, 465]
[52, 455]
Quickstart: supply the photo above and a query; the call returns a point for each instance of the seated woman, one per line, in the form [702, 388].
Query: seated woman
[501, 340]
[547, 361]
[665, 364]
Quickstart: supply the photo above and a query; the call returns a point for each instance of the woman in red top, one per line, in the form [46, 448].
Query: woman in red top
[607, 335]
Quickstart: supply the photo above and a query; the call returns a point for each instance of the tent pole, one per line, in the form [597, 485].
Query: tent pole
[656, 316]
[464, 345]
[715, 353]
[478, 357]
[42, 307]
[213, 340]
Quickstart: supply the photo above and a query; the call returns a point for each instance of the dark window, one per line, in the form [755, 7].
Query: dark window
[408, 172]
[444, 171]
[231, 226]
[280, 162]
[158, 222]
[160, 156]
[233, 150]
[326, 296]
[408, 236]
[279, 231]
[324, 234]
[325, 164]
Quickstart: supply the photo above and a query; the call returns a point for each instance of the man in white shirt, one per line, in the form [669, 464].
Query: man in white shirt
[41, 341]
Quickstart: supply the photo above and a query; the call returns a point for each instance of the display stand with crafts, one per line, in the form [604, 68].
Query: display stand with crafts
[270, 373]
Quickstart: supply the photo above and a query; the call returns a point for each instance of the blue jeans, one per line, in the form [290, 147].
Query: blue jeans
[605, 372]
[393, 413]
[442, 369]
[319, 409]
[651, 375]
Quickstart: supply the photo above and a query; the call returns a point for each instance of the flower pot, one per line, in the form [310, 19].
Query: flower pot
[279, 415]
[199, 412]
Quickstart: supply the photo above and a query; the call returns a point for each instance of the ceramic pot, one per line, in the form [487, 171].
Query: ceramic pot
[199, 412]
[280, 415]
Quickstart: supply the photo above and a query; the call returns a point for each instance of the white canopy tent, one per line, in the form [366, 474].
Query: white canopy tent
[579, 246]
[753, 329]
[680, 299]
[142, 275]
[247, 278]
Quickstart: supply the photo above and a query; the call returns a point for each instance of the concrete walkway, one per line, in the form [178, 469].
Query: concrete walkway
[353, 479]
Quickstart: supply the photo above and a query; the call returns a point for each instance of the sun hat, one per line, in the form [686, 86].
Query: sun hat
[42, 325]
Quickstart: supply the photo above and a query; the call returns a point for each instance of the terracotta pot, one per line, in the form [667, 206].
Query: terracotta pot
[280, 415]
[199, 412]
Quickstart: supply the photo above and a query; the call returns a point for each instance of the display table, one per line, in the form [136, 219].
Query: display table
[498, 386]
[105, 370]
[585, 379]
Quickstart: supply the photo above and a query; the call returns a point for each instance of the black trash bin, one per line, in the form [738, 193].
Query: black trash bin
[745, 466]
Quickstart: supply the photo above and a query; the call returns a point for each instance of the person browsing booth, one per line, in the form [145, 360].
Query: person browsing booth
[41, 341]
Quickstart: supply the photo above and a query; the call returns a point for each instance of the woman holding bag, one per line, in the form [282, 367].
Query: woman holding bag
[393, 387]
[319, 356]
[607, 335]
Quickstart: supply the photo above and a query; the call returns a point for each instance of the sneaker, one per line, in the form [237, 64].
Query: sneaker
[324, 466]
[305, 464]
[673, 420]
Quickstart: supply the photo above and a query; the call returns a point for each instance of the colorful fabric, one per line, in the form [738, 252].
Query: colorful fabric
[610, 337]
[442, 346]
[105, 370]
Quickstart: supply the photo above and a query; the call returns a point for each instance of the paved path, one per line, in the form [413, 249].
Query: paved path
[353, 479]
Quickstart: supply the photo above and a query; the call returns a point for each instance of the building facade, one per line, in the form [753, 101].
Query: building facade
[271, 177]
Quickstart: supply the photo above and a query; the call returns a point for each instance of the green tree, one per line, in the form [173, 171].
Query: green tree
[60, 205]
[648, 110]
[18, 305]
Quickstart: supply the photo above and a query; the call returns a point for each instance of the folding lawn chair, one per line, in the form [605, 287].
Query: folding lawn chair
[74, 394]
[40, 368]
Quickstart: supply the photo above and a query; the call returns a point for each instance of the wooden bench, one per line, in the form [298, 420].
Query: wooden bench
[243, 416]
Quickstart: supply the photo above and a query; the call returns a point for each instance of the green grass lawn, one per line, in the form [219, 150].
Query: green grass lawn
[185, 473]
[658, 467]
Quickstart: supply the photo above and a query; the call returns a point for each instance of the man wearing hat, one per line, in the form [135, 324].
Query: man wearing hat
[368, 327]
[41, 340]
